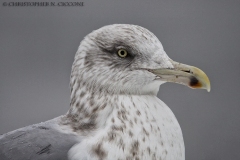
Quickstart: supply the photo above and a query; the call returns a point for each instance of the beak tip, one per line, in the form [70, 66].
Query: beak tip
[209, 89]
[207, 86]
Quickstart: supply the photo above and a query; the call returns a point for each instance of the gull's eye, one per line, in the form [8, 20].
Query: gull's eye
[122, 53]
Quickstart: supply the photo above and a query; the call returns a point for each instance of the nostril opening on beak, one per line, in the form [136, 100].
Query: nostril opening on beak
[187, 71]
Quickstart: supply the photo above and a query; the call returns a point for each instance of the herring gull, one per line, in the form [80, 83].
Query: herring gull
[114, 111]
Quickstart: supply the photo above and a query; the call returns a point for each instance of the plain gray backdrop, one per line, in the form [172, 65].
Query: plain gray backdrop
[38, 44]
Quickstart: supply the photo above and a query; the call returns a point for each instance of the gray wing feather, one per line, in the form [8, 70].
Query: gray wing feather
[36, 142]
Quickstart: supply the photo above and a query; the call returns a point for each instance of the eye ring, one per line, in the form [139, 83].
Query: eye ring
[122, 53]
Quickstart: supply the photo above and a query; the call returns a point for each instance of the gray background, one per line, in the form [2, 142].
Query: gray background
[38, 44]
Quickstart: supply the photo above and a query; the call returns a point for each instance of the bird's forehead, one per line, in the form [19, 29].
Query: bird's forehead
[132, 35]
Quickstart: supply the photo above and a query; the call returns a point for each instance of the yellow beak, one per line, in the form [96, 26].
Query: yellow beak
[190, 76]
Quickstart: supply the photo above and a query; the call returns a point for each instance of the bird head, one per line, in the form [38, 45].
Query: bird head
[129, 59]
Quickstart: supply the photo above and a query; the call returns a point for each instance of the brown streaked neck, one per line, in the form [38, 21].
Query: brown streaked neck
[89, 110]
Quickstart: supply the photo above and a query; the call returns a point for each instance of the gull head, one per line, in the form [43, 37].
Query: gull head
[129, 59]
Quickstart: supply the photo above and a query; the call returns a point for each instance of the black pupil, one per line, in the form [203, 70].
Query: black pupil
[122, 52]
